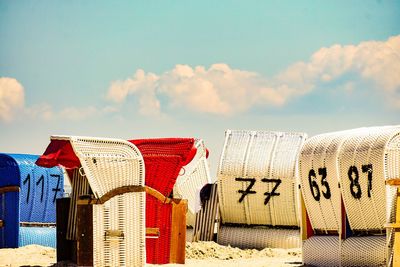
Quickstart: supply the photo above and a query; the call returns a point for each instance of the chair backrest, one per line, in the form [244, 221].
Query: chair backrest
[364, 165]
[342, 177]
[319, 176]
[108, 164]
[192, 178]
[257, 178]
[30, 203]
[164, 159]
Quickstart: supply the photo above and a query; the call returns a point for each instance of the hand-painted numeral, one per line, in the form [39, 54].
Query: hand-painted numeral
[312, 180]
[272, 193]
[28, 180]
[355, 187]
[324, 182]
[252, 181]
[41, 180]
[248, 189]
[368, 169]
[57, 189]
[313, 185]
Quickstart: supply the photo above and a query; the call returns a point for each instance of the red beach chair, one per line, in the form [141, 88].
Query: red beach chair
[164, 159]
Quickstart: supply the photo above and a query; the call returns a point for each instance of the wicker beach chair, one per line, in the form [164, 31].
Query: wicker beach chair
[107, 212]
[345, 202]
[28, 196]
[192, 178]
[257, 189]
[164, 159]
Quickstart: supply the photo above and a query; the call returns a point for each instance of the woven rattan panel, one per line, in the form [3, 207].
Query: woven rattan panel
[123, 214]
[108, 163]
[359, 160]
[391, 206]
[258, 237]
[192, 178]
[362, 169]
[206, 218]
[364, 251]
[321, 251]
[164, 159]
[257, 178]
[318, 167]
[392, 169]
[44, 236]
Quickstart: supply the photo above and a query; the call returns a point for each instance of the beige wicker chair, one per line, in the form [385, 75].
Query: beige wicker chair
[111, 170]
[193, 177]
[257, 187]
[346, 204]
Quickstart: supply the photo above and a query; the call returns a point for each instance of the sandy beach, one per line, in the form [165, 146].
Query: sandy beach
[198, 254]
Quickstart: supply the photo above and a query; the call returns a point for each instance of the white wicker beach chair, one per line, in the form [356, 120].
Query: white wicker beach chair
[112, 170]
[318, 166]
[342, 177]
[193, 177]
[257, 187]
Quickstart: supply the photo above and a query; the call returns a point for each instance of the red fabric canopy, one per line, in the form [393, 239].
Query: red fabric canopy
[163, 160]
[59, 152]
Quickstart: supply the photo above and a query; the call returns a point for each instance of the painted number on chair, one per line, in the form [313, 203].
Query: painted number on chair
[40, 184]
[252, 181]
[354, 176]
[248, 189]
[314, 187]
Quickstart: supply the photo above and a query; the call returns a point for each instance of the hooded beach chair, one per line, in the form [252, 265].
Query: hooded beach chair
[257, 189]
[345, 202]
[164, 159]
[191, 180]
[106, 219]
[28, 196]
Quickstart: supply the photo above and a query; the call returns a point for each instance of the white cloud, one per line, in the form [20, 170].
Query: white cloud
[43, 111]
[372, 61]
[224, 90]
[11, 98]
[218, 90]
[12, 101]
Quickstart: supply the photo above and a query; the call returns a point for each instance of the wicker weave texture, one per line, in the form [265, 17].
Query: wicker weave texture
[318, 167]
[258, 237]
[107, 163]
[126, 214]
[192, 178]
[205, 219]
[362, 176]
[163, 159]
[364, 251]
[321, 251]
[359, 161]
[257, 178]
[44, 236]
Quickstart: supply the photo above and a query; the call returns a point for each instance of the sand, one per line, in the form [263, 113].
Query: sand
[31, 255]
[200, 254]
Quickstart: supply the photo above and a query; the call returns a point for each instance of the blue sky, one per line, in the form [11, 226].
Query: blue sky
[130, 69]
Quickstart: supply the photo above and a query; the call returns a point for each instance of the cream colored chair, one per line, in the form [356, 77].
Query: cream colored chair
[107, 211]
[344, 198]
[257, 189]
[192, 178]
